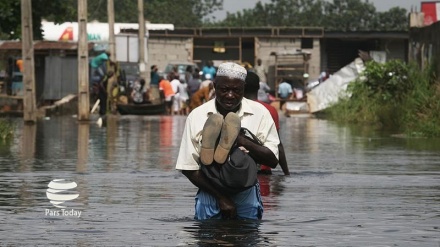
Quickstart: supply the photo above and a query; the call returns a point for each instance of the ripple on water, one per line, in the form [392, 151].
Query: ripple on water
[347, 188]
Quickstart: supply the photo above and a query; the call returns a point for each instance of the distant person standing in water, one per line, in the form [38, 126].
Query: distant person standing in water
[168, 92]
[153, 92]
[194, 83]
[97, 71]
[209, 69]
[183, 99]
[261, 71]
[285, 92]
[251, 92]
[201, 96]
[154, 76]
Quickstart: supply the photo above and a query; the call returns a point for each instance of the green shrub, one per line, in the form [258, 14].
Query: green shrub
[374, 96]
[357, 108]
[392, 95]
[387, 81]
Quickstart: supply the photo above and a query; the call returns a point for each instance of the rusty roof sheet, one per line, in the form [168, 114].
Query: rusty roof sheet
[43, 45]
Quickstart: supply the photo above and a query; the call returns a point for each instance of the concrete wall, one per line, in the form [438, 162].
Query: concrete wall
[162, 50]
[315, 60]
[264, 46]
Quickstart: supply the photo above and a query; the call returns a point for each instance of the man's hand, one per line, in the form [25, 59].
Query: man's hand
[226, 205]
[227, 208]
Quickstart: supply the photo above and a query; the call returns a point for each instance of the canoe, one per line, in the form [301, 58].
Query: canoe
[142, 109]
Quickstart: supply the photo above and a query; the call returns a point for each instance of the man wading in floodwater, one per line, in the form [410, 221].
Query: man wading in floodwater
[199, 147]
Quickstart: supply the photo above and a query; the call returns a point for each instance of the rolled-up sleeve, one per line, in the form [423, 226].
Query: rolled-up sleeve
[188, 153]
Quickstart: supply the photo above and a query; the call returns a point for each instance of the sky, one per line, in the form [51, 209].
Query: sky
[233, 6]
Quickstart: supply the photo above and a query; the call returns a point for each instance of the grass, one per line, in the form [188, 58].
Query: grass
[421, 108]
[6, 129]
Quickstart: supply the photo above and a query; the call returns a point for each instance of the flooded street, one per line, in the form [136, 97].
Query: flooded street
[349, 187]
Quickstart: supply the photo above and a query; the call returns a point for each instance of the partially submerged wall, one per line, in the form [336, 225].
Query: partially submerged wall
[265, 46]
[163, 50]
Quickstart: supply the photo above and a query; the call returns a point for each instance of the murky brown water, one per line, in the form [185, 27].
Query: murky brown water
[349, 187]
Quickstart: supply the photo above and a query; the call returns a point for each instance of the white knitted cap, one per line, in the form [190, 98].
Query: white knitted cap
[232, 70]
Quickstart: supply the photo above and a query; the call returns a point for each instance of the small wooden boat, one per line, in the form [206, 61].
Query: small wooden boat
[141, 109]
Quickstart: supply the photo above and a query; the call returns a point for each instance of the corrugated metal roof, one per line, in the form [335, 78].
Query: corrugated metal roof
[43, 45]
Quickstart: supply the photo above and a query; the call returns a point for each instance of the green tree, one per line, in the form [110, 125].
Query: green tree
[395, 19]
[10, 16]
[357, 15]
[257, 17]
[349, 15]
[183, 13]
[278, 13]
[340, 15]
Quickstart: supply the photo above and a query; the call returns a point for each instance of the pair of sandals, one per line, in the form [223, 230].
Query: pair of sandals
[227, 129]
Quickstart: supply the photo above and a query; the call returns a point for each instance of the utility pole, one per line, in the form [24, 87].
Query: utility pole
[83, 63]
[111, 29]
[29, 102]
[141, 37]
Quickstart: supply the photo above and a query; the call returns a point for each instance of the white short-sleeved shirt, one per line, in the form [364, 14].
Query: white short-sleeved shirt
[183, 91]
[254, 116]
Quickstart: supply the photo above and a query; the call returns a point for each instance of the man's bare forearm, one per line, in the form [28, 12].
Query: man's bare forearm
[261, 154]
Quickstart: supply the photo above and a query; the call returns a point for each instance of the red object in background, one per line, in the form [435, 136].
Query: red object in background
[67, 35]
[431, 11]
[271, 98]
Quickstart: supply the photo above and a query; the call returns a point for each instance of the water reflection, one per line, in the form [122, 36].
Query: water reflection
[112, 133]
[166, 142]
[83, 147]
[349, 187]
[271, 187]
[28, 147]
[224, 233]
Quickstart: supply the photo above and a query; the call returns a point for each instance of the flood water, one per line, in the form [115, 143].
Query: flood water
[349, 187]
